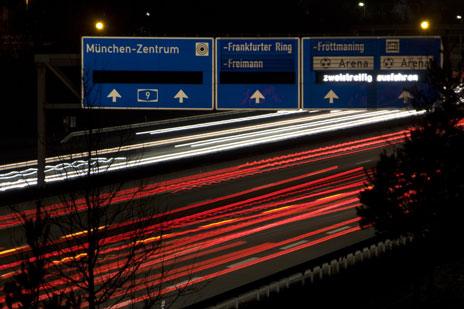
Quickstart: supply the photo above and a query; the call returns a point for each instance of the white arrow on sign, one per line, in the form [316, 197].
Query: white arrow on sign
[257, 96]
[181, 96]
[406, 96]
[331, 96]
[114, 95]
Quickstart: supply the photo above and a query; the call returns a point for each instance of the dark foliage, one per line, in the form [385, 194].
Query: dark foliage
[24, 289]
[418, 189]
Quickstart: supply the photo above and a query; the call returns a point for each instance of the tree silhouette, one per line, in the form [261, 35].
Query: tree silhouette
[101, 244]
[418, 189]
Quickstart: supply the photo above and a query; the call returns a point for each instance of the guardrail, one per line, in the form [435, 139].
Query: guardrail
[148, 124]
[316, 273]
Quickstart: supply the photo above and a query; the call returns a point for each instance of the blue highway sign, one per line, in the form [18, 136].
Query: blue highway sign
[257, 73]
[380, 72]
[147, 73]
[403, 68]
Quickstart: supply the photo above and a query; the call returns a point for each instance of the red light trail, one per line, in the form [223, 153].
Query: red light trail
[215, 226]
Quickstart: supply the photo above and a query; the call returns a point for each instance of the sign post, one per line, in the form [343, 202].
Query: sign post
[41, 133]
[257, 73]
[147, 73]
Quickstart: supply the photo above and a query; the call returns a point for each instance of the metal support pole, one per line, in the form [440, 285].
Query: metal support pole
[461, 53]
[41, 135]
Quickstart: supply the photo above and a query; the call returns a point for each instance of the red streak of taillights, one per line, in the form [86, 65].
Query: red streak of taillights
[215, 176]
[245, 265]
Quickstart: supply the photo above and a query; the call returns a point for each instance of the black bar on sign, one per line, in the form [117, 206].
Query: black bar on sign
[257, 78]
[147, 77]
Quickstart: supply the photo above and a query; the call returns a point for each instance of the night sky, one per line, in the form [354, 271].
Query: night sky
[64, 21]
[56, 26]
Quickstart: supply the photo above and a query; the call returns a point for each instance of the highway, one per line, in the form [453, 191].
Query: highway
[160, 145]
[230, 223]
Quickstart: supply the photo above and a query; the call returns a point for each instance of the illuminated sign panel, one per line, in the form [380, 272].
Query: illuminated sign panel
[147, 73]
[411, 62]
[257, 73]
[377, 72]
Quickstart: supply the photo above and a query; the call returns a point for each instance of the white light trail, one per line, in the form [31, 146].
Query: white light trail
[382, 116]
[281, 130]
[220, 122]
[146, 145]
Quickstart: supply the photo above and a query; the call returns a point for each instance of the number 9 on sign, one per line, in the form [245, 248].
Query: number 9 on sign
[147, 95]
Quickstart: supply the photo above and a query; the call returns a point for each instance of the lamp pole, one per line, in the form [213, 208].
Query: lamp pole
[362, 5]
[41, 135]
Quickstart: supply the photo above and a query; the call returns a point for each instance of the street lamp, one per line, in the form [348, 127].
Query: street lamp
[362, 5]
[99, 25]
[459, 17]
[425, 25]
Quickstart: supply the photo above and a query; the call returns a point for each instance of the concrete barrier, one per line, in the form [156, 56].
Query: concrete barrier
[283, 283]
[275, 287]
[350, 258]
[358, 257]
[366, 253]
[344, 263]
[404, 240]
[374, 250]
[318, 272]
[250, 296]
[262, 293]
[381, 247]
[326, 269]
[297, 278]
[309, 275]
[233, 303]
[334, 267]
[388, 244]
